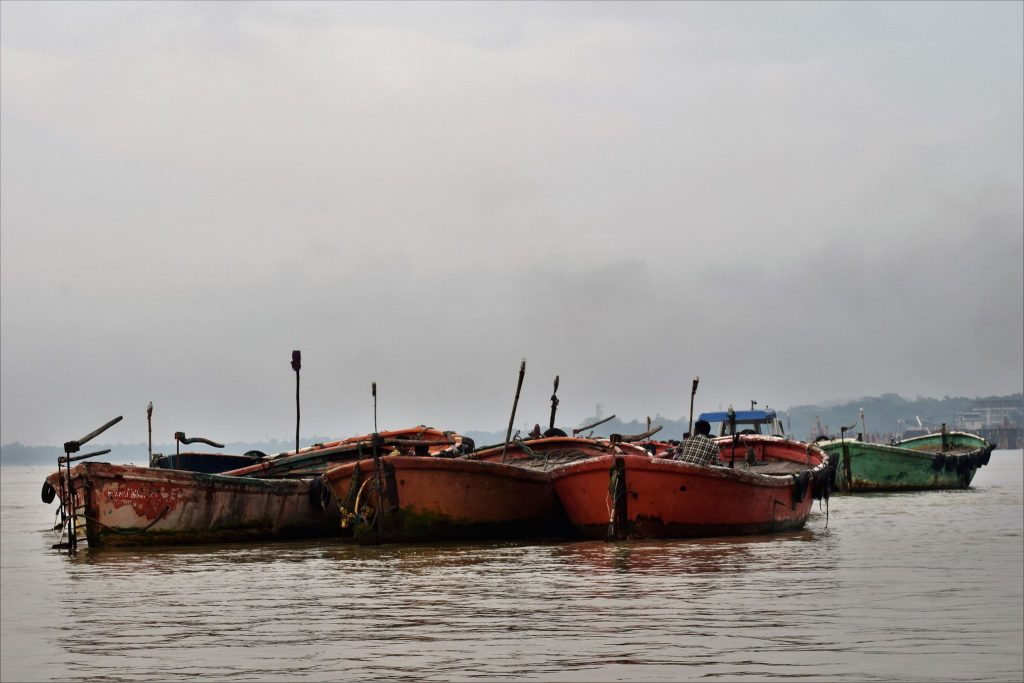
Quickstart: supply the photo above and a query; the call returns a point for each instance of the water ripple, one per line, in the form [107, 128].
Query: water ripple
[897, 587]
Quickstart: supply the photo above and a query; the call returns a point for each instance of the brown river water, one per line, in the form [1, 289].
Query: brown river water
[909, 586]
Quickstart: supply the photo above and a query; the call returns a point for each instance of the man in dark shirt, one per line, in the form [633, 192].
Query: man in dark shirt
[699, 449]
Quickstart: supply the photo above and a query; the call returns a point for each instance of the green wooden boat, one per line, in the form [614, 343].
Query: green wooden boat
[943, 460]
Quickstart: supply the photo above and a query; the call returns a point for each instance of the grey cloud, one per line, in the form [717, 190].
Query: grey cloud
[795, 202]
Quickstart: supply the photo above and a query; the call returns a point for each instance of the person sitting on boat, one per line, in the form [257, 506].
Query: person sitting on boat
[699, 449]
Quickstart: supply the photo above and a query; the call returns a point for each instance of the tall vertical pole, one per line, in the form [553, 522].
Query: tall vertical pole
[693, 392]
[72, 507]
[296, 364]
[863, 426]
[149, 425]
[374, 407]
[554, 404]
[515, 403]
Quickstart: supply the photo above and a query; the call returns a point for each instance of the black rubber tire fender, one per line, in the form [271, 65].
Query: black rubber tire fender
[49, 493]
[320, 495]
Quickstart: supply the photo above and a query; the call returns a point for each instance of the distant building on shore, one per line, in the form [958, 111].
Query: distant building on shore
[998, 420]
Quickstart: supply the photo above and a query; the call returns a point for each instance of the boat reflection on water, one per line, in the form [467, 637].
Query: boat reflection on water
[695, 556]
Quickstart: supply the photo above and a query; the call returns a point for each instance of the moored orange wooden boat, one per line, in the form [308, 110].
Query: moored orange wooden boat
[113, 505]
[420, 498]
[637, 496]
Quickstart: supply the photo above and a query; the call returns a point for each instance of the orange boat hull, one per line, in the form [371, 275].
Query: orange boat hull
[415, 498]
[125, 505]
[630, 496]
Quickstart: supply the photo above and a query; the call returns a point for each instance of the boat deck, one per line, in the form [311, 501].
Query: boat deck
[549, 460]
[773, 467]
[545, 461]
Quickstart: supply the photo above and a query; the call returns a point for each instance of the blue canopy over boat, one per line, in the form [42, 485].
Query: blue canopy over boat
[748, 416]
[746, 421]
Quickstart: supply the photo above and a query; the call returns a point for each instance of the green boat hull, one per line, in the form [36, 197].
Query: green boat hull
[934, 461]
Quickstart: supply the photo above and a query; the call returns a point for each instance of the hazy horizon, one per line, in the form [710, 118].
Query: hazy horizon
[164, 442]
[794, 201]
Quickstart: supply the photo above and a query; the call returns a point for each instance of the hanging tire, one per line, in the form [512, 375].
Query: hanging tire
[48, 493]
[800, 485]
[320, 495]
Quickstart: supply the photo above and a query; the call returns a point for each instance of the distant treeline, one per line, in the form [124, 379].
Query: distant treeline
[881, 413]
[138, 454]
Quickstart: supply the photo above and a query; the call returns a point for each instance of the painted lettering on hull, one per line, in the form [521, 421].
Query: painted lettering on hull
[148, 502]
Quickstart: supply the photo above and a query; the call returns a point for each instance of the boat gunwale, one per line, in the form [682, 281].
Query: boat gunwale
[898, 449]
[406, 463]
[669, 466]
[135, 473]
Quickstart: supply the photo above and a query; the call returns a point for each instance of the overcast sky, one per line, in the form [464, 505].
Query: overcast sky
[797, 202]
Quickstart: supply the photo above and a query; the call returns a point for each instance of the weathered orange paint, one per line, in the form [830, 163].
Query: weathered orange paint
[126, 505]
[426, 498]
[664, 498]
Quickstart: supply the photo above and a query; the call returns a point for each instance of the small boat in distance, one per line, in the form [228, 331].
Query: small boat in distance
[619, 496]
[943, 460]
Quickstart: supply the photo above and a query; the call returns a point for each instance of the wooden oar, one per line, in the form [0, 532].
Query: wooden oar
[693, 392]
[296, 365]
[638, 437]
[515, 403]
[591, 426]
[554, 404]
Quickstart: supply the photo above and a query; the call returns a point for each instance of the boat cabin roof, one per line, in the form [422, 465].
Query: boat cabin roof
[746, 420]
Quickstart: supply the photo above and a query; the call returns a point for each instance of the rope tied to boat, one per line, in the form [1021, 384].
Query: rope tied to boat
[353, 489]
[616, 493]
[356, 515]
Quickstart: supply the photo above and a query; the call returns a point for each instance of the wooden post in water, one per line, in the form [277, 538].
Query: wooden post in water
[515, 404]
